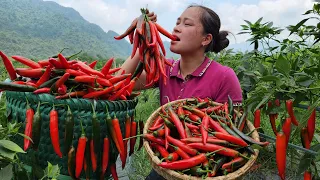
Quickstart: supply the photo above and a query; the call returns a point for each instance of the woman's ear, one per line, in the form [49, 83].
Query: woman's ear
[207, 40]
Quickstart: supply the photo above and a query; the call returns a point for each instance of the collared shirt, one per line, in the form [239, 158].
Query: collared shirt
[210, 79]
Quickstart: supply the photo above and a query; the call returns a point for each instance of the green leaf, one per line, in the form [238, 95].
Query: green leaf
[296, 27]
[24, 136]
[317, 137]
[6, 173]
[259, 20]
[11, 146]
[52, 171]
[6, 153]
[256, 146]
[270, 78]
[282, 65]
[248, 22]
[263, 101]
[306, 83]
[305, 163]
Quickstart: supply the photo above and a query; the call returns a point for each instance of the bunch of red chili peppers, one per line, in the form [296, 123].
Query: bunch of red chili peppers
[66, 78]
[283, 136]
[144, 35]
[200, 138]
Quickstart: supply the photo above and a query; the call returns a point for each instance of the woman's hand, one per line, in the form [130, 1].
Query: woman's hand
[152, 16]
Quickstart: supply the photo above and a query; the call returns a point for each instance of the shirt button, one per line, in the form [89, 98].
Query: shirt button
[182, 89]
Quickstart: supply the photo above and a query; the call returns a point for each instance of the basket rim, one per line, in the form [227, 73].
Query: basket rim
[170, 174]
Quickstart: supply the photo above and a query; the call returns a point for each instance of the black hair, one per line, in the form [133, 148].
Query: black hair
[211, 25]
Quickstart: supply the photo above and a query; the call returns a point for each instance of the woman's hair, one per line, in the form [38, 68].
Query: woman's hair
[211, 25]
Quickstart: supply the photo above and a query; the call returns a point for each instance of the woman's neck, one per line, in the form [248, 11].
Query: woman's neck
[188, 64]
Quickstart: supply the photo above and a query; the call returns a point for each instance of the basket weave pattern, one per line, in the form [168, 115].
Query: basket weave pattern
[173, 175]
[81, 109]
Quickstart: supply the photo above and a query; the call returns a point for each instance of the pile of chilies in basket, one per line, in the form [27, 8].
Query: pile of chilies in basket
[145, 36]
[197, 137]
[64, 77]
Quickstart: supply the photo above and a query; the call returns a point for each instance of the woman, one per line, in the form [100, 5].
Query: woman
[194, 74]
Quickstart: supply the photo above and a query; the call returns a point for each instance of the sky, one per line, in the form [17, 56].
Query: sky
[117, 15]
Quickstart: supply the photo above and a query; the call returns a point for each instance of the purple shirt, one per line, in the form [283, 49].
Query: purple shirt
[210, 79]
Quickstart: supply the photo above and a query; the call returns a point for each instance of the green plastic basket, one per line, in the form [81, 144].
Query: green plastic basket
[82, 110]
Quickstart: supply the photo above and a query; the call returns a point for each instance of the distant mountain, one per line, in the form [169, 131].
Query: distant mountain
[38, 29]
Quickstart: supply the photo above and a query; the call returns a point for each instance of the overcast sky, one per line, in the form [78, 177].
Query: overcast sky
[117, 15]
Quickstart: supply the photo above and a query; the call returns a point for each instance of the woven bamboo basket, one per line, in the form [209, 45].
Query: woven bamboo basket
[173, 175]
[82, 110]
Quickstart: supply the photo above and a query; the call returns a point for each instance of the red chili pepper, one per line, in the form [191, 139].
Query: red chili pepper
[116, 135]
[230, 138]
[181, 153]
[165, 32]
[41, 90]
[176, 121]
[311, 124]
[191, 126]
[214, 147]
[151, 138]
[72, 94]
[289, 106]
[97, 94]
[63, 61]
[133, 132]
[116, 95]
[305, 138]
[233, 162]
[141, 126]
[281, 152]
[71, 162]
[210, 140]
[159, 133]
[26, 61]
[73, 72]
[62, 80]
[286, 128]
[105, 156]
[54, 131]
[93, 64]
[45, 76]
[62, 89]
[103, 82]
[114, 70]
[31, 73]
[8, 65]
[44, 63]
[257, 118]
[80, 152]
[204, 129]
[158, 122]
[93, 156]
[28, 128]
[186, 148]
[114, 171]
[307, 175]
[55, 63]
[105, 69]
[185, 163]
[164, 153]
[166, 134]
[172, 157]
[216, 126]
[195, 111]
[129, 29]
[277, 102]
[85, 68]
[272, 118]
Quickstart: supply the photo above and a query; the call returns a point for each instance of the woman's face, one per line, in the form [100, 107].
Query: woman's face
[189, 32]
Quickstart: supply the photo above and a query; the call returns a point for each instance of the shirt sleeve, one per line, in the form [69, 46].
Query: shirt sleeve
[230, 85]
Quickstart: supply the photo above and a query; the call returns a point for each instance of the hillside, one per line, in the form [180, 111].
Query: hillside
[38, 29]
